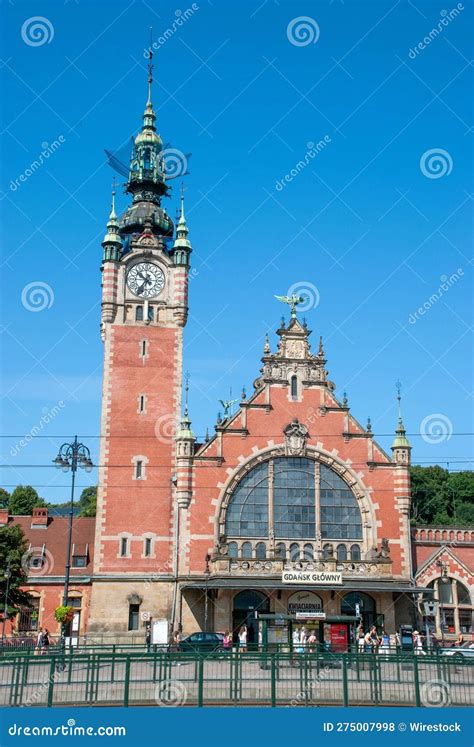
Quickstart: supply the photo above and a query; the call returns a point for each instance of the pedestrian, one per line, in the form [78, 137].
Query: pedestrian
[311, 641]
[384, 647]
[45, 641]
[227, 642]
[418, 643]
[371, 640]
[360, 639]
[39, 636]
[303, 638]
[148, 637]
[459, 641]
[243, 639]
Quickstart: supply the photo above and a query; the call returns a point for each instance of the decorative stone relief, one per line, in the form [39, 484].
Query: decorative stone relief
[296, 434]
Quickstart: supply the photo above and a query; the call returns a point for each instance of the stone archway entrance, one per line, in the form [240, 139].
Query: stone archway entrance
[243, 613]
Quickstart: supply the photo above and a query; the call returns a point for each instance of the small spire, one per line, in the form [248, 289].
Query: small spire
[186, 396]
[206, 437]
[321, 347]
[368, 427]
[283, 322]
[243, 395]
[219, 418]
[150, 68]
[345, 401]
[112, 242]
[400, 440]
[185, 427]
[113, 215]
[305, 323]
[266, 347]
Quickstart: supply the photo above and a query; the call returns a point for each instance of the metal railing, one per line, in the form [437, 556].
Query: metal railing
[252, 678]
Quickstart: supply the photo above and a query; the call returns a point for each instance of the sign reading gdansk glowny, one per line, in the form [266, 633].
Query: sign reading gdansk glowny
[311, 577]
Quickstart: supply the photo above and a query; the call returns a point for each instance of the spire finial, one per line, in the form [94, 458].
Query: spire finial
[398, 385]
[266, 347]
[150, 67]
[112, 210]
[369, 425]
[186, 394]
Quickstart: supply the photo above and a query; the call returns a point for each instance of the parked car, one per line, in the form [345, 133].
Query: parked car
[466, 651]
[201, 642]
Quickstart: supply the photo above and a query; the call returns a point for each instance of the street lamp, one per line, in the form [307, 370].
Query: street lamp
[70, 457]
[444, 580]
[8, 574]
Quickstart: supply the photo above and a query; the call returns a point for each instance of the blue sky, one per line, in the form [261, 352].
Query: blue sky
[375, 222]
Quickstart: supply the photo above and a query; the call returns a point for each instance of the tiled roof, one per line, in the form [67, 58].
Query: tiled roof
[53, 537]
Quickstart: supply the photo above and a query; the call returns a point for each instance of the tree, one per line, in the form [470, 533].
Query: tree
[4, 498]
[442, 497]
[13, 549]
[88, 501]
[23, 500]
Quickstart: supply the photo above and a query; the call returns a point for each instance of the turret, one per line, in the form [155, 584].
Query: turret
[185, 440]
[401, 447]
[112, 242]
[182, 246]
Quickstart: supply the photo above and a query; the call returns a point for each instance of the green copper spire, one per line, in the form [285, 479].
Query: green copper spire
[185, 431]
[182, 246]
[112, 242]
[400, 441]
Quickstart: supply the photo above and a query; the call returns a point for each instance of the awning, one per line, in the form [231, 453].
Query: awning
[268, 583]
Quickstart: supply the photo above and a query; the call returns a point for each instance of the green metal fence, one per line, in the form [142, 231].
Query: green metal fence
[277, 679]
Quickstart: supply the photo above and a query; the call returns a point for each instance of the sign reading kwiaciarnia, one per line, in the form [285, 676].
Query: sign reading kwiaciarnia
[311, 577]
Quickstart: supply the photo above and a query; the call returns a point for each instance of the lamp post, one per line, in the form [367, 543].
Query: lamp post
[206, 598]
[8, 574]
[70, 457]
[444, 580]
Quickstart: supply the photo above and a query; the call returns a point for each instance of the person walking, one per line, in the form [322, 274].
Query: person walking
[45, 641]
[384, 647]
[311, 642]
[360, 639]
[227, 642]
[418, 644]
[371, 640]
[39, 637]
[243, 639]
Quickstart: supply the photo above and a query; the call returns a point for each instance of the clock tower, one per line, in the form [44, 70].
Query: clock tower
[144, 308]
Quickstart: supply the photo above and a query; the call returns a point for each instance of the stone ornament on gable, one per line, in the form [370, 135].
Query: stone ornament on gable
[296, 435]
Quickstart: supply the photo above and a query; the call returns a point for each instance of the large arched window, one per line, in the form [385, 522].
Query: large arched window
[293, 498]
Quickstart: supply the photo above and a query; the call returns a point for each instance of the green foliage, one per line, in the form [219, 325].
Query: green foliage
[4, 498]
[88, 501]
[63, 614]
[23, 500]
[13, 549]
[441, 497]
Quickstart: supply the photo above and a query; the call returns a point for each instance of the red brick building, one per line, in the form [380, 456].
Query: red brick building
[45, 562]
[290, 500]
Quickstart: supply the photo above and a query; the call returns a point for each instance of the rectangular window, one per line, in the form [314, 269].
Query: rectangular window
[147, 547]
[79, 561]
[465, 621]
[133, 612]
[28, 618]
[124, 547]
[139, 470]
[445, 592]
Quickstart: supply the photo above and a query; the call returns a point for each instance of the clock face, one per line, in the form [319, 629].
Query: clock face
[145, 280]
